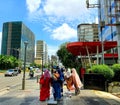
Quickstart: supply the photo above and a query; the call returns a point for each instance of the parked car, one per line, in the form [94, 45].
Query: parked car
[11, 72]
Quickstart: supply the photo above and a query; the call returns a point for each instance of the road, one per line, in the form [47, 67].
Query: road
[9, 81]
[6, 82]
[17, 96]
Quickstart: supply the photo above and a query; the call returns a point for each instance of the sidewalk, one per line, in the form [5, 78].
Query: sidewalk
[92, 97]
[30, 96]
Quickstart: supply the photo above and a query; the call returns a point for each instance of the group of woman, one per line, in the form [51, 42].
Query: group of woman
[56, 79]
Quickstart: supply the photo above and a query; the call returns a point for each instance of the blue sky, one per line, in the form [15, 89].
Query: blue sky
[54, 21]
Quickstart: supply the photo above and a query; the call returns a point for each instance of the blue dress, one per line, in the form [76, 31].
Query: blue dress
[56, 88]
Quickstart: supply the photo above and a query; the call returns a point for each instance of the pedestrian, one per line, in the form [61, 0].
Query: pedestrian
[69, 80]
[76, 81]
[61, 78]
[56, 85]
[45, 83]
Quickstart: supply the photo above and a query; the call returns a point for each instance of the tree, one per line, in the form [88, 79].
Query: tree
[66, 58]
[8, 62]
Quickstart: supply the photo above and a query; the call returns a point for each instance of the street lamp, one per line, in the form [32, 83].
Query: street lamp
[23, 80]
[42, 62]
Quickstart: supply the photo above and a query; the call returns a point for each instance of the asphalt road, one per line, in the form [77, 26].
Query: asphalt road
[9, 82]
[17, 96]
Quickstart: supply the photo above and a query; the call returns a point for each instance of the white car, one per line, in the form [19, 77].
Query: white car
[11, 72]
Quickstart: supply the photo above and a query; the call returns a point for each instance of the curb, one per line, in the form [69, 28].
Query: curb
[106, 95]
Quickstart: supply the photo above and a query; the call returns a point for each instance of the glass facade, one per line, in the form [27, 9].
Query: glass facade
[109, 14]
[13, 37]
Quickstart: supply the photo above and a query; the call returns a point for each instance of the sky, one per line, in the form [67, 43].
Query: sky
[54, 21]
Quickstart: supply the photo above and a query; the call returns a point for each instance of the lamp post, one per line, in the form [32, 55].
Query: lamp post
[23, 80]
[42, 63]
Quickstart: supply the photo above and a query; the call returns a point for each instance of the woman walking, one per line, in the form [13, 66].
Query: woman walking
[69, 80]
[45, 82]
[56, 85]
[76, 81]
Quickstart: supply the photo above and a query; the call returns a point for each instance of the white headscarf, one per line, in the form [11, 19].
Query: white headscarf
[68, 73]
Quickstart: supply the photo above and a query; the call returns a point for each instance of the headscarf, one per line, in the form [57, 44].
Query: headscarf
[46, 74]
[68, 73]
[76, 77]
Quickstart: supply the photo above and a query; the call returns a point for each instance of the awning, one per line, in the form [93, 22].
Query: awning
[81, 48]
[110, 55]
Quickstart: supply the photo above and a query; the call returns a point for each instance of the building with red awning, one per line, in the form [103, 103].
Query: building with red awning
[89, 48]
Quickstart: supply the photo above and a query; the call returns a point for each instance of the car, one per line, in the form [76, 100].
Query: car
[11, 72]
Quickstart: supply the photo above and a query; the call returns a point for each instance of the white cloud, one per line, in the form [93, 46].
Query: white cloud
[62, 10]
[33, 5]
[52, 50]
[71, 9]
[64, 32]
[0, 41]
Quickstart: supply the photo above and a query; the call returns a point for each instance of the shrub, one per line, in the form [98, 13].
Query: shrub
[105, 70]
[116, 69]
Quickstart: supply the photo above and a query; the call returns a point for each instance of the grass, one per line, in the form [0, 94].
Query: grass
[2, 71]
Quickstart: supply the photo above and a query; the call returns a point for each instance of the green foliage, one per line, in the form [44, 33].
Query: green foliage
[116, 69]
[8, 62]
[66, 58]
[88, 70]
[104, 70]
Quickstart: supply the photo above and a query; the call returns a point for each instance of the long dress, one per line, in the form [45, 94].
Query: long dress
[69, 80]
[56, 87]
[44, 87]
[69, 83]
[76, 81]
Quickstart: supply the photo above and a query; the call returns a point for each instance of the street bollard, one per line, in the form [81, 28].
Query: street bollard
[38, 77]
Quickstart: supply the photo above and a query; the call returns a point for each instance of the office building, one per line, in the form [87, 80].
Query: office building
[14, 34]
[109, 25]
[41, 53]
[87, 32]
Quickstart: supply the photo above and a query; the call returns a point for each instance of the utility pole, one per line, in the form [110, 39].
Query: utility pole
[101, 24]
[23, 80]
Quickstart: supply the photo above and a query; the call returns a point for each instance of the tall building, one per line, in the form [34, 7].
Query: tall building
[109, 27]
[41, 52]
[14, 34]
[87, 32]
